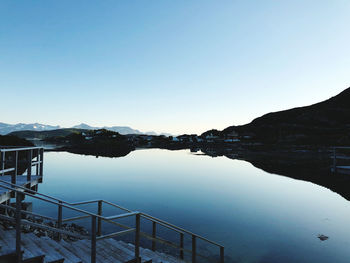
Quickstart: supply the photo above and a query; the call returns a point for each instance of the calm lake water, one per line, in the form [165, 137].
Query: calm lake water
[257, 216]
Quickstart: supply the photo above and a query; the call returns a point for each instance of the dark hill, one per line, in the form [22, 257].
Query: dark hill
[324, 123]
[8, 140]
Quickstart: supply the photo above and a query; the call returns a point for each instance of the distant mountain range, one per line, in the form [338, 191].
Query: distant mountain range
[120, 129]
[9, 128]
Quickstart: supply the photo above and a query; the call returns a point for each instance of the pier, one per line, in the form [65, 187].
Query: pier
[18, 181]
[341, 160]
[15, 160]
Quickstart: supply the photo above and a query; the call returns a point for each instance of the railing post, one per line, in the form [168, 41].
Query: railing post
[99, 221]
[37, 162]
[222, 255]
[8, 203]
[2, 167]
[14, 176]
[181, 246]
[334, 160]
[137, 238]
[59, 219]
[93, 239]
[194, 252]
[29, 165]
[154, 234]
[18, 226]
[41, 161]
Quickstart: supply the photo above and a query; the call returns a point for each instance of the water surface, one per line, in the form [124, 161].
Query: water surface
[257, 216]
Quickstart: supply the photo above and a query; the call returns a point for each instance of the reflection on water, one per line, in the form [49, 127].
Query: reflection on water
[257, 216]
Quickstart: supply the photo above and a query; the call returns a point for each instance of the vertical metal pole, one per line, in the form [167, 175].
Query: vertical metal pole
[29, 165]
[154, 234]
[137, 238]
[93, 239]
[334, 160]
[222, 255]
[2, 167]
[99, 221]
[194, 252]
[42, 161]
[18, 226]
[181, 246]
[59, 219]
[8, 204]
[14, 176]
[37, 162]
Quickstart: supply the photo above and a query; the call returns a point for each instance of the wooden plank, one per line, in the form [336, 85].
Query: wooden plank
[51, 252]
[120, 252]
[68, 255]
[74, 248]
[28, 245]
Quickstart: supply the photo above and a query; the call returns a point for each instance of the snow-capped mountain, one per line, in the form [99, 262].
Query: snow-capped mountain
[8, 128]
[120, 129]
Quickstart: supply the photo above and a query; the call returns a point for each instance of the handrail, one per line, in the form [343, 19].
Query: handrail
[52, 202]
[110, 219]
[20, 149]
[18, 221]
[95, 217]
[179, 229]
[26, 222]
[144, 215]
[31, 191]
[152, 218]
[31, 152]
[121, 216]
[7, 170]
[335, 167]
[29, 213]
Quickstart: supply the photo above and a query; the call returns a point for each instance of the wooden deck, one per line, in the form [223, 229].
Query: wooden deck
[21, 180]
[14, 162]
[108, 250]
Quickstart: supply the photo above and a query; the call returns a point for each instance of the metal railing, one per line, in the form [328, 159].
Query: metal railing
[96, 220]
[12, 155]
[340, 153]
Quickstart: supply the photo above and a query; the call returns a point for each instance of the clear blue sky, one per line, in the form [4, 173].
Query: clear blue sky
[168, 66]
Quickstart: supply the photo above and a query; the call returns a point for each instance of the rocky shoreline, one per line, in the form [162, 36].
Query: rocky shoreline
[40, 232]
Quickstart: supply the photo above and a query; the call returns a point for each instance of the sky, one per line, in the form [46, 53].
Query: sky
[168, 66]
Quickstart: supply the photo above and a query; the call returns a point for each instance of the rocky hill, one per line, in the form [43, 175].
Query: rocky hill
[324, 123]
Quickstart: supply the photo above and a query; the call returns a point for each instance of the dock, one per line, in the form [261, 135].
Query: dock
[21, 171]
[341, 160]
[13, 160]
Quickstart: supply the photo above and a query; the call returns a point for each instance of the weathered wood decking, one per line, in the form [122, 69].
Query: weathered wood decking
[108, 250]
[5, 194]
